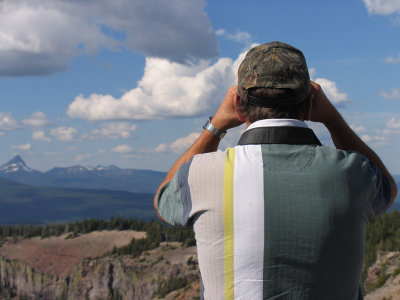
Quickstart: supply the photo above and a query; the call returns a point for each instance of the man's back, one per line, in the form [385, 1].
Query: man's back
[279, 216]
[278, 220]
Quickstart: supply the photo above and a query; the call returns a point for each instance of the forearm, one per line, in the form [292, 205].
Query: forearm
[346, 139]
[224, 119]
[322, 110]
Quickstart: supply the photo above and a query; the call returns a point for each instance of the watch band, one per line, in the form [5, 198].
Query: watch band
[214, 130]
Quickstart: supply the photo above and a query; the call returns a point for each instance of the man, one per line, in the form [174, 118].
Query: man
[279, 216]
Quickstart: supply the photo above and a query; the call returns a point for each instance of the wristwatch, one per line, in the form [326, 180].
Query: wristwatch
[214, 130]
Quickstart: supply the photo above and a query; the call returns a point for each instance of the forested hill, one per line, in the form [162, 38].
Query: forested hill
[22, 203]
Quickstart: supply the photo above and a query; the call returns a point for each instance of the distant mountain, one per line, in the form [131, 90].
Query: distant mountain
[100, 177]
[26, 204]
[16, 165]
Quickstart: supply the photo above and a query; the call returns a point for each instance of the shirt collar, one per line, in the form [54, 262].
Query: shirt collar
[278, 123]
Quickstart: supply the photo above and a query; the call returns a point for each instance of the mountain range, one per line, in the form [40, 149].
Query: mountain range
[100, 177]
[74, 193]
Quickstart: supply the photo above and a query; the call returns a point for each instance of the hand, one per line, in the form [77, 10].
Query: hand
[226, 116]
[321, 109]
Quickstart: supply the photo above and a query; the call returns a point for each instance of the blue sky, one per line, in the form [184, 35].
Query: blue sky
[130, 83]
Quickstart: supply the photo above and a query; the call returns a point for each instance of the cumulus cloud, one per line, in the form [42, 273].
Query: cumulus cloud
[393, 59]
[312, 72]
[178, 146]
[24, 147]
[167, 90]
[332, 91]
[30, 44]
[239, 36]
[64, 134]
[172, 90]
[115, 130]
[7, 123]
[330, 88]
[376, 140]
[393, 123]
[393, 95]
[40, 135]
[383, 7]
[82, 157]
[358, 129]
[37, 119]
[123, 149]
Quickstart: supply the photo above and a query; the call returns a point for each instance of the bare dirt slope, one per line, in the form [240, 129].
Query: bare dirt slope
[58, 256]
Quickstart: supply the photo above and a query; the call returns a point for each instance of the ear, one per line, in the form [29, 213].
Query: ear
[240, 115]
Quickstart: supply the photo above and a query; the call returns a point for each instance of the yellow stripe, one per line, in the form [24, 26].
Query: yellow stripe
[228, 223]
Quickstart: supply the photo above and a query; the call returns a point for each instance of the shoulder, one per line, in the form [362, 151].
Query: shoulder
[343, 159]
[360, 174]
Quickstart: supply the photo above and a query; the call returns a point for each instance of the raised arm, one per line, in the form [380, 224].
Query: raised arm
[343, 136]
[224, 119]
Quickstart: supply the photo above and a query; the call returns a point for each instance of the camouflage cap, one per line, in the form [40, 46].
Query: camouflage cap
[275, 65]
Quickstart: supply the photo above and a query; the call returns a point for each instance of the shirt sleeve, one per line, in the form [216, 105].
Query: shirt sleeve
[384, 191]
[174, 202]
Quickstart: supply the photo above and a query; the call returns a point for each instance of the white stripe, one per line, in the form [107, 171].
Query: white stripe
[278, 123]
[248, 197]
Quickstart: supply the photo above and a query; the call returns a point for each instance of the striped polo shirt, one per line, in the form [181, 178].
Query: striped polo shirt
[277, 220]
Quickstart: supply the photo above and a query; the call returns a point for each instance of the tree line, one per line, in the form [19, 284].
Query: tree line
[156, 231]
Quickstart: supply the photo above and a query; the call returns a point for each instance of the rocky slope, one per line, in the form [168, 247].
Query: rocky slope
[169, 271]
[383, 279]
[81, 268]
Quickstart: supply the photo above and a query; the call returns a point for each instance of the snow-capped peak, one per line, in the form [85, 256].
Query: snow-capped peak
[16, 164]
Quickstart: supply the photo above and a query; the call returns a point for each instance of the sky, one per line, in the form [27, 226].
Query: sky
[131, 83]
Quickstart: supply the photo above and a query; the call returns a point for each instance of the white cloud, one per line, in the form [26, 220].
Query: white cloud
[40, 135]
[393, 123]
[358, 129]
[25, 147]
[330, 88]
[123, 149]
[182, 144]
[115, 130]
[239, 36]
[366, 138]
[167, 90]
[312, 72]
[64, 134]
[393, 95]
[7, 123]
[383, 7]
[72, 148]
[37, 119]
[162, 148]
[178, 146]
[332, 92]
[393, 60]
[375, 140]
[171, 90]
[82, 157]
[30, 43]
